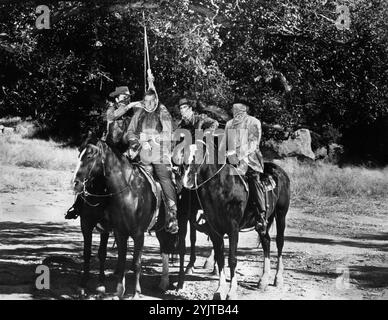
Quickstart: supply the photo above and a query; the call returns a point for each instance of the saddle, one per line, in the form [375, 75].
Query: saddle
[156, 190]
[267, 180]
[147, 171]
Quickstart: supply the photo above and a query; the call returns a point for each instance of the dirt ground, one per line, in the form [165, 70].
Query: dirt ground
[321, 248]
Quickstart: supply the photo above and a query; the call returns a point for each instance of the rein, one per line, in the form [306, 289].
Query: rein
[196, 173]
[203, 183]
[86, 193]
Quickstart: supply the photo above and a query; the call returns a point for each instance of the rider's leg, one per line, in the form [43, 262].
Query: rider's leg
[163, 173]
[75, 209]
[258, 194]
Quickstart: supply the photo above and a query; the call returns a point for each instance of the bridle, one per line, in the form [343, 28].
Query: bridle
[196, 187]
[85, 193]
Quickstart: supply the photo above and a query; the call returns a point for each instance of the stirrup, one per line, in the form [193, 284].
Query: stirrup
[262, 223]
[172, 226]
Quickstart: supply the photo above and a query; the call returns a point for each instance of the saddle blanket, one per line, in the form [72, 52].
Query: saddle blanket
[156, 190]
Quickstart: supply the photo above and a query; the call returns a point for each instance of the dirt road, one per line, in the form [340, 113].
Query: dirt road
[320, 251]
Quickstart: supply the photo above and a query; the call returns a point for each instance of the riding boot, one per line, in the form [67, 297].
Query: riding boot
[163, 173]
[258, 191]
[75, 209]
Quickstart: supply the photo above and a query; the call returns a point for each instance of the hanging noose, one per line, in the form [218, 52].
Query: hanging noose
[147, 64]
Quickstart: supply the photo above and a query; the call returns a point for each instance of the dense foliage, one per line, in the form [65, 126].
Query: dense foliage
[286, 57]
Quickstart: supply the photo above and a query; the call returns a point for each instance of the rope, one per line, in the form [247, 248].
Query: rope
[147, 64]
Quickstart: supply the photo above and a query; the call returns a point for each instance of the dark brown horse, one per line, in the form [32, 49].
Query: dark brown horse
[224, 198]
[129, 201]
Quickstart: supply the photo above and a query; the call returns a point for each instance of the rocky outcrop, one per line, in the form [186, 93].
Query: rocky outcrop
[297, 145]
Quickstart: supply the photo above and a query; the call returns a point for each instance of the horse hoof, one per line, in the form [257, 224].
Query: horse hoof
[101, 289]
[263, 285]
[278, 282]
[164, 284]
[218, 296]
[231, 296]
[120, 291]
[136, 296]
[180, 286]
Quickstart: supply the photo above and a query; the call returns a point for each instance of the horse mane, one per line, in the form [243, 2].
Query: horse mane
[101, 144]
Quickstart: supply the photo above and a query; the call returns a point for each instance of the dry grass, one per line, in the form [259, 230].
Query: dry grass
[53, 167]
[32, 164]
[327, 180]
[14, 179]
[36, 153]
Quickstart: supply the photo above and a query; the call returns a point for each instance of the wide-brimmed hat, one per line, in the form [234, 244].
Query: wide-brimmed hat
[118, 91]
[244, 101]
[184, 101]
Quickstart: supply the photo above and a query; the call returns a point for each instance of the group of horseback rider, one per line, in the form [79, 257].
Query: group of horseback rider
[144, 131]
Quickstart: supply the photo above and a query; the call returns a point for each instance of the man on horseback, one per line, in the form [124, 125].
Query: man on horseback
[117, 123]
[149, 135]
[192, 120]
[247, 155]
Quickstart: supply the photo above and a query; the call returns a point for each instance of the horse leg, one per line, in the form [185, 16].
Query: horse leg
[193, 239]
[102, 257]
[266, 241]
[218, 244]
[182, 248]
[87, 232]
[138, 250]
[165, 280]
[210, 263]
[233, 242]
[120, 266]
[280, 227]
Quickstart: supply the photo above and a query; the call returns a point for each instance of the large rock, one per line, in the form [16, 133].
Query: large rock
[297, 145]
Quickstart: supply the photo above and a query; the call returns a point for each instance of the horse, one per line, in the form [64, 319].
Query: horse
[224, 196]
[129, 202]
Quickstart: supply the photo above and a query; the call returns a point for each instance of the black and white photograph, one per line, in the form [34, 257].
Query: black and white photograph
[194, 150]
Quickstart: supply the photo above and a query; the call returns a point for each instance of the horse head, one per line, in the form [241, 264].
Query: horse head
[200, 154]
[204, 154]
[90, 166]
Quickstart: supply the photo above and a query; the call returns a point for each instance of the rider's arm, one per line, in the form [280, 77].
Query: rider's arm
[166, 121]
[123, 109]
[254, 135]
[132, 136]
[224, 141]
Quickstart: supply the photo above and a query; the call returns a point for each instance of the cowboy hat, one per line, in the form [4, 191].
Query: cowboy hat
[184, 101]
[118, 91]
